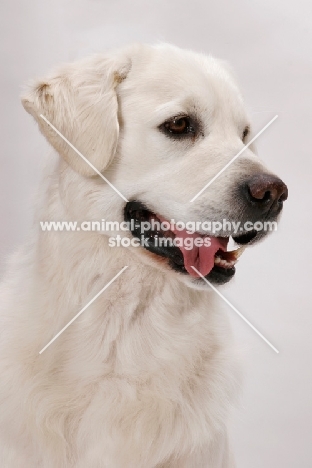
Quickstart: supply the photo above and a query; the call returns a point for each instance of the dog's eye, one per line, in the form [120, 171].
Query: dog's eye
[245, 133]
[178, 126]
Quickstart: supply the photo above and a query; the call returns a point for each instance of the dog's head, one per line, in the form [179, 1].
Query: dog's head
[160, 124]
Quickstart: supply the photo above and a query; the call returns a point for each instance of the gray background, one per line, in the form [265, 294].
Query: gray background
[269, 44]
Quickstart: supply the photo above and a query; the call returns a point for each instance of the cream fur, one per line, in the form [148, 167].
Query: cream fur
[145, 378]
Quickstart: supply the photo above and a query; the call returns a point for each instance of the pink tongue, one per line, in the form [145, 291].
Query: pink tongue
[202, 258]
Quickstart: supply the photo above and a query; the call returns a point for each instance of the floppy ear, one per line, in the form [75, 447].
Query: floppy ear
[80, 101]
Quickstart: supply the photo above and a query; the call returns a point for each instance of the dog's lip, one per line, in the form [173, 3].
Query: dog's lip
[219, 262]
[243, 238]
[220, 275]
[246, 237]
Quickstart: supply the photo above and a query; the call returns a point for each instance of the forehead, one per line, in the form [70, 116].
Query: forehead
[165, 77]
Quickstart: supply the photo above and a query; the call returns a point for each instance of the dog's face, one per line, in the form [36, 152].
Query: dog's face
[160, 123]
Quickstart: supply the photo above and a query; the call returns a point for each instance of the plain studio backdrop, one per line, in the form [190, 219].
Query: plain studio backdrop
[269, 44]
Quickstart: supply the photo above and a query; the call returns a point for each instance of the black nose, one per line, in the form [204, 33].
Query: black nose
[266, 192]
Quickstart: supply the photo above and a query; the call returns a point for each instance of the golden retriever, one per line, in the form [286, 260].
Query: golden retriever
[146, 376]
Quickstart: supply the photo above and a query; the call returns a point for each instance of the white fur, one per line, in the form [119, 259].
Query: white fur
[146, 376]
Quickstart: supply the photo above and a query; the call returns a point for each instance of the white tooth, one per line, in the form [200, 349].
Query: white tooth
[228, 264]
[239, 252]
[223, 262]
[232, 245]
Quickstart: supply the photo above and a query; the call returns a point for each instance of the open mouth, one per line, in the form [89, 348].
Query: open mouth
[184, 250]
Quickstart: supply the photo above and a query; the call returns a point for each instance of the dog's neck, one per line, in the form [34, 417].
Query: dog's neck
[83, 262]
[73, 267]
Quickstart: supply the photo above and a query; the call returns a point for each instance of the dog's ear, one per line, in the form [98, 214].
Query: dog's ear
[80, 101]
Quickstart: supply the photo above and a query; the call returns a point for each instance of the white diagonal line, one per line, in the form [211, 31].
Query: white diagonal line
[233, 159]
[235, 310]
[83, 157]
[83, 309]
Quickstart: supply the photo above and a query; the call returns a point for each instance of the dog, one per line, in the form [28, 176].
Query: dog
[146, 376]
